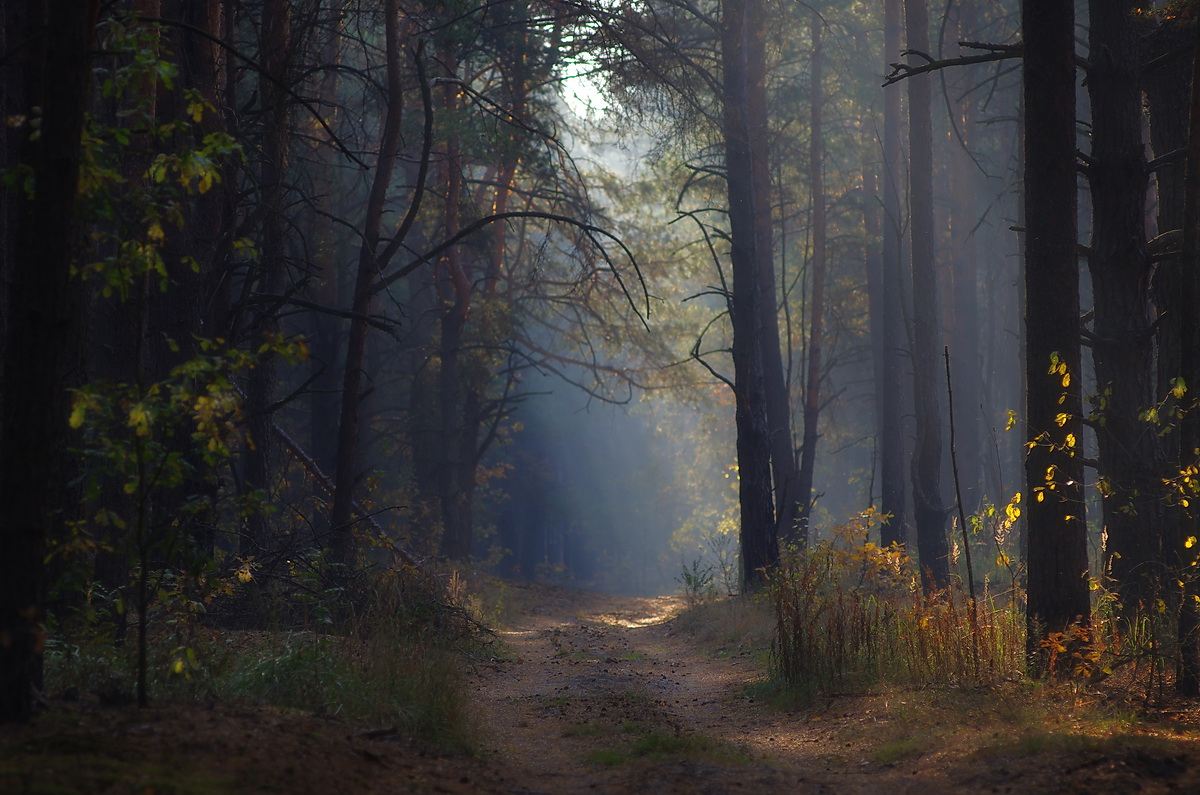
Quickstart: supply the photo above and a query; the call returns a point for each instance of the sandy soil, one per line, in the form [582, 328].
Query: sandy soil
[594, 693]
[609, 694]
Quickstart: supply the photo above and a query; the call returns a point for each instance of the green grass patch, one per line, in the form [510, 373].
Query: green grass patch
[607, 757]
[80, 772]
[690, 746]
[397, 661]
[596, 729]
[894, 751]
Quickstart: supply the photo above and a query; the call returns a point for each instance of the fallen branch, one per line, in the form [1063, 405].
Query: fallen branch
[326, 483]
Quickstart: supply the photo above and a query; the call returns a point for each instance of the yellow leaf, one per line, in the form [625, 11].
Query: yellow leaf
[1041, 496]
[1070, 440]
[1061, 418]
[1191, 542]
[1066, 382]
[139, 420]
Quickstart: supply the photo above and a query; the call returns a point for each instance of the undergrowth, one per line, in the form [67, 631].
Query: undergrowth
[850, 617]
[395, 662]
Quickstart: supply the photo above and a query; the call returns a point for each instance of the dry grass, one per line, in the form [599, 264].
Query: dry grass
[849, 617]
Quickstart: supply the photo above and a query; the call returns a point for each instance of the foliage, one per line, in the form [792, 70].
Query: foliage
[399, 664]
[697, 582]
[850, 616]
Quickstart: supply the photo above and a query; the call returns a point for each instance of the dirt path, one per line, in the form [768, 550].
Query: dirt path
[595, 693]
[603, 693]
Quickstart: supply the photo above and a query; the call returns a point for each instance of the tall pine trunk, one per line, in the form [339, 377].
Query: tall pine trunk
[274, 49]
[1057, 532]
[816, 334]
[890, 387]
[929, 511]
[40, 329]
[1188, 329]
[744, 119]
[964, 341]
[341, 530]
[1130, 453]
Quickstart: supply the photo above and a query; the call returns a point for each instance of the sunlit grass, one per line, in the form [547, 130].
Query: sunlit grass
[850, 617]
[730, 624]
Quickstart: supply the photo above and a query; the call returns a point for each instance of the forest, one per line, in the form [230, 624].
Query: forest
[455, 381]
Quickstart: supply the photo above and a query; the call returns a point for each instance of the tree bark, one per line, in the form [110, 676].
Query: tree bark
[964, 318]
[1188, 329]
[744, 120]
[1130, 454]
[789, 499]
[40, 331]
[890, 388]
[341, 529]
[816, 334]
[1057, 532]
[929, 510]
[1168, 126]
[274, 50]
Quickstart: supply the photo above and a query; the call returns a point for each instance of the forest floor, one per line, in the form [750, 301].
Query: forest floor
[588, 692]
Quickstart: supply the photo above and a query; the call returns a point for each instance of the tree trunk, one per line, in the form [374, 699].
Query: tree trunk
[274, 49]
[743, 65]
[40, 329]
[812, 383]
[965, 319]
[1057, 532]
[1168, 123]
[890, 389]
[1130, 454]
[789, 499]
[1188, 679]
[327, 331]
[929, 510]
[341, 530]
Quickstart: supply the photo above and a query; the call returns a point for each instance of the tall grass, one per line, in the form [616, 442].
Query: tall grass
[850, 617]
[395, 661]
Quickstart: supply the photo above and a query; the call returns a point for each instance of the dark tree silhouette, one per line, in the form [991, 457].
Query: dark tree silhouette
[891, 350]
[745, 130]
[1129, 449]
[816, 333]
[929, 510]
[40, 329]
[1057, 532]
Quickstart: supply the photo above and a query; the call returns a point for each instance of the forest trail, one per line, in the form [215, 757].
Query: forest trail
[586, 692]
[600, 693]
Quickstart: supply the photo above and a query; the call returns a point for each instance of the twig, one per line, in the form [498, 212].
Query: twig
[962, 522]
